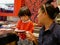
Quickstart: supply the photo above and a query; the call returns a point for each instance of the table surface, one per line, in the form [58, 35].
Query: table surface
[6, 33]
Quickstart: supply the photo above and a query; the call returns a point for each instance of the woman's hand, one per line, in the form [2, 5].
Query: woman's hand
[31, 37]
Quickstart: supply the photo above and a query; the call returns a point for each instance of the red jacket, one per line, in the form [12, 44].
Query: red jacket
[27, 26]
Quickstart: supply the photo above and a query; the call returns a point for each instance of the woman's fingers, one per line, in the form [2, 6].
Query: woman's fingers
[30, 36]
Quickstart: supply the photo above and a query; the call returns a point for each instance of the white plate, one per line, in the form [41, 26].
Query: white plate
[19, 30]
[5, 29]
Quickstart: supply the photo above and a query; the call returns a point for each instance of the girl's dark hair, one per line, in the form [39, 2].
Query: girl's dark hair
[24, 11]
[51, 10]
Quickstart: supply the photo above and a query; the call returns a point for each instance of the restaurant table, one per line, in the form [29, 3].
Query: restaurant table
[6, 36]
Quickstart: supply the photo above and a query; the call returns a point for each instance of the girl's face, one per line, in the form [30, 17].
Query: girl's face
[24, 18]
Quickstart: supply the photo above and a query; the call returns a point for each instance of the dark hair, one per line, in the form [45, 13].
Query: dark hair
[49, 1]
[51, 10]
[24, 11]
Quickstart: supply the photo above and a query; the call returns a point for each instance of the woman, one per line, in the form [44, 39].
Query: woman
[50, 31]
